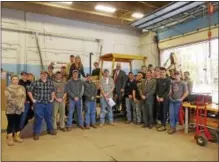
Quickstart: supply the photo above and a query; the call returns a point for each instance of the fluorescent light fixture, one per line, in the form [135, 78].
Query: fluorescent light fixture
[145, 30]
[160, 12]
[65, 2]
[166, 16]
[137, 15]
[105, 8]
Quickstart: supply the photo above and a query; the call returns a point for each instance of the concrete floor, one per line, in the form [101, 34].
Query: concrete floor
[120, 143]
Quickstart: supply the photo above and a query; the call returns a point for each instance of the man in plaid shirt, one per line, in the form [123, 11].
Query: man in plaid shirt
[41, 93]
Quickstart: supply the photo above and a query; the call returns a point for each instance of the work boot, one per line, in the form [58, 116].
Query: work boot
[101, 125]
[68, 129]
[171, 131]
[63, 129]
[17, 138]
[53, 132]
[150, 126]
[94, 126]
[144, 126]
[9, 140]
[87, 127]
[82, 127]
[161, 129]
[128, 122]
[35, 137]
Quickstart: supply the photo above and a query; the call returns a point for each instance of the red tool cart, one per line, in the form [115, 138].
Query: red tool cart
[204, 132]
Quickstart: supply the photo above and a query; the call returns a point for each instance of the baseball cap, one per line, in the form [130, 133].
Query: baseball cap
[75, 71]
[106, 70]
[24, 73]
[96, 63]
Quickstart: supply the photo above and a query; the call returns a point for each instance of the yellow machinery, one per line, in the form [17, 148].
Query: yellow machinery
[115, 57]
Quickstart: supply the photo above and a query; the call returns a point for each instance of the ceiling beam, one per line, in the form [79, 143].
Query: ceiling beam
[148, 4]
[127, 6]
[68, 13]
[79, 9]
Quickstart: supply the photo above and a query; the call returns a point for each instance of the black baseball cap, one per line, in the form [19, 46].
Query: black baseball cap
[24, 73]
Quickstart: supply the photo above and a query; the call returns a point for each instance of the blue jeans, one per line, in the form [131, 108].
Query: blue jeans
[174, 113]
[90, 113]
[42, 111]
[129, 106]
[71, 109]
[105, 105]
[137, 112]
[24, 115]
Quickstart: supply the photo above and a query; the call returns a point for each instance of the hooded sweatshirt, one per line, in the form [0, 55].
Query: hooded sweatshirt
[75, 88]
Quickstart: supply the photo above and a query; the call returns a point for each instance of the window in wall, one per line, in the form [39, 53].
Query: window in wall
[195, 59]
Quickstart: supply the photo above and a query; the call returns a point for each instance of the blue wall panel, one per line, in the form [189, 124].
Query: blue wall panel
[35, 69]
[189, 26]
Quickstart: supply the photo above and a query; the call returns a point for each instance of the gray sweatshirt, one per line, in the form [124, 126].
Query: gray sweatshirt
[59, 88]
[90, 91]
[75, 88]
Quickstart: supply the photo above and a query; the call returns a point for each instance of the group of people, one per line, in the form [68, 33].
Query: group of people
[152, 95]
[148, 94]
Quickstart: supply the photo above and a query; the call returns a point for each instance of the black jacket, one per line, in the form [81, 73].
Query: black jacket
[129, 87]
[90, 91]
[26, 86]
[80, 71]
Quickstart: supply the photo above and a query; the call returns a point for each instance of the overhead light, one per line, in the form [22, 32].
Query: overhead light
[137, 15]
[105, 8]
[145, 30]
[67, 2]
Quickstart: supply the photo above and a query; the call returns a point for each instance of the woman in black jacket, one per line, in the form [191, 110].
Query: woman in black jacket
[77, 66]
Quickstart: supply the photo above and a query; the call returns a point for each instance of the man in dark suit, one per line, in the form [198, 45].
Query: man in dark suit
[120, 79]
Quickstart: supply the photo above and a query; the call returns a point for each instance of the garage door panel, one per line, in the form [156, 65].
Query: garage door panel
[34, 55]
[10, 37]
[31, 41]
[91, 47]
[57, 57]
[63, 43]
